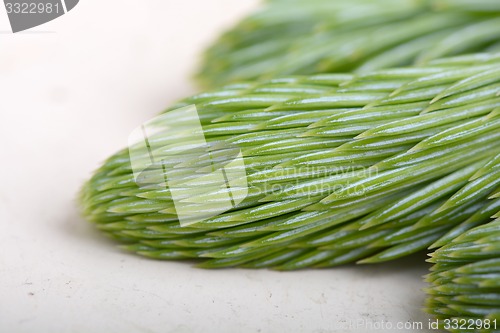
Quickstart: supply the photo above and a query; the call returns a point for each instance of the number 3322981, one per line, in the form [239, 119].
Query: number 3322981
[32, 8]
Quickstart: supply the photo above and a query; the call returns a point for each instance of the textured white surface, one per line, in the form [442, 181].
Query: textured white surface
[70, 92]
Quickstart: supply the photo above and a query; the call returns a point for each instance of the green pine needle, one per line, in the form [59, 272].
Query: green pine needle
[321, 36]
[465, 278]
[365, 176]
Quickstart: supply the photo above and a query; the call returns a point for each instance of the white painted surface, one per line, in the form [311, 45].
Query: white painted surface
[68, 99]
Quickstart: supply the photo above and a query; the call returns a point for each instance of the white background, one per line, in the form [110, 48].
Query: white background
[70, 93]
